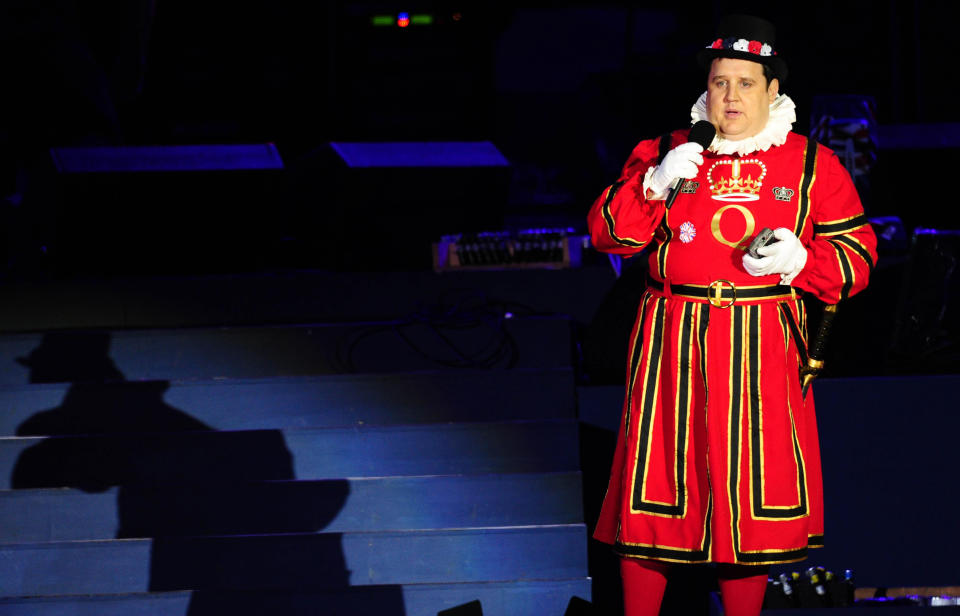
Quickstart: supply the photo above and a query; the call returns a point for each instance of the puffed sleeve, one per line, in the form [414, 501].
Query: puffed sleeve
[843, 250]
[622, 220]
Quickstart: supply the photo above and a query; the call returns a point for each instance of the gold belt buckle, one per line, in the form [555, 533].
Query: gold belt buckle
[715, 295]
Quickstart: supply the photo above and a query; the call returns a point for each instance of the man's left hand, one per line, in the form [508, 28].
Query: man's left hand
[786, 257]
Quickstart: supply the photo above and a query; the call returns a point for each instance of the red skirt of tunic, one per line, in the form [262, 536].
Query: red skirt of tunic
[717, 457]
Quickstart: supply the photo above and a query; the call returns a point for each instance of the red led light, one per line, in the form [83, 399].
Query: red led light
[403, 20]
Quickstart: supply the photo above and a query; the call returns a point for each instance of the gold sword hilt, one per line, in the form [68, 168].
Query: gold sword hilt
[815, 359]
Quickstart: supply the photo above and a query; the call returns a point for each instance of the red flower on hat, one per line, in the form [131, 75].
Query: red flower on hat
[717, 44]
[755, 46]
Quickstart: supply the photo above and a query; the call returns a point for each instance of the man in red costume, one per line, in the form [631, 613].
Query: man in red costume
[717, 457]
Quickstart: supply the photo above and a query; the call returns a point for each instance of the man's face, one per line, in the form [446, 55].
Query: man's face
[738, 97]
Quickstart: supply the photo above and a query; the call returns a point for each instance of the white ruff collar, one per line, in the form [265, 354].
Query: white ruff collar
[782, 117]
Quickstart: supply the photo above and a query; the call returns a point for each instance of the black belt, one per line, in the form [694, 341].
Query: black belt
[722, 293]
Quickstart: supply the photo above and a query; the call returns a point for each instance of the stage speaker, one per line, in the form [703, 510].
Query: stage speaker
[392, 200]
[164, 209]
[927, 333]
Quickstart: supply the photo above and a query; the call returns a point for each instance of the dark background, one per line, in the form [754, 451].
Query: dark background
[564, 90]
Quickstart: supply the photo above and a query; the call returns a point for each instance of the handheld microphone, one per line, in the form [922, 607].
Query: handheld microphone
[702, 133]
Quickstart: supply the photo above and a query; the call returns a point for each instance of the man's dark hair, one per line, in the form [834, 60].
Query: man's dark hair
[767, 73]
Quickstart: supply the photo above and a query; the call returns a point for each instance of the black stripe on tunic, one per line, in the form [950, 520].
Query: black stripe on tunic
[834, 228]
[846, 268]
[675, 554]
[682, 412]
[650, 382]
[736, 420]
[857, 248]
[634, 361]
[608, 217]
[756, 470]
[664, 248]
[733, 434]
[809, 169]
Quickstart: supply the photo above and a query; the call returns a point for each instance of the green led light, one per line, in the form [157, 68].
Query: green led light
[382, 20]
[421, 20]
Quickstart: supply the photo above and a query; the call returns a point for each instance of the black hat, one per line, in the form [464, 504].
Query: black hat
[747, 38]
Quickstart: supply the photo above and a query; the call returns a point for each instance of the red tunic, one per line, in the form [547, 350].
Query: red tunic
[717, 457]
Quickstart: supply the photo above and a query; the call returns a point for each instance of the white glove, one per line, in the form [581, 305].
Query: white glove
[680, 162]
[786, 257]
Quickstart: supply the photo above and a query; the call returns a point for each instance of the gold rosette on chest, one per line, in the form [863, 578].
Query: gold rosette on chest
[736, 180]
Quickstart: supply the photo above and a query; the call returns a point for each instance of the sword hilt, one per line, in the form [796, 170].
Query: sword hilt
[815, 359]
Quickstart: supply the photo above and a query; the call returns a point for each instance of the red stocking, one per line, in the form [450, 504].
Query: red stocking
[742, 588]
[643, 584]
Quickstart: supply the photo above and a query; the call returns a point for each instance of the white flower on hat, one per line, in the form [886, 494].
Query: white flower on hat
[742, 45]
[766, 50]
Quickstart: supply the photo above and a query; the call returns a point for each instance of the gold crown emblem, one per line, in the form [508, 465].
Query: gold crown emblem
[736, 180]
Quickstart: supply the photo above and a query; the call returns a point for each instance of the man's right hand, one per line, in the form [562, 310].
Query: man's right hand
[682, 161]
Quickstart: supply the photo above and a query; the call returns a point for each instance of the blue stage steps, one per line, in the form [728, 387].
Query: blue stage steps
[291, 561]
[294, 402]
[231, 508]
[245, 470]
[519, 597]
[100, 461]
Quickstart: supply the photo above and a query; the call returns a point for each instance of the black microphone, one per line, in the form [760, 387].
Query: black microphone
[702, 133]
